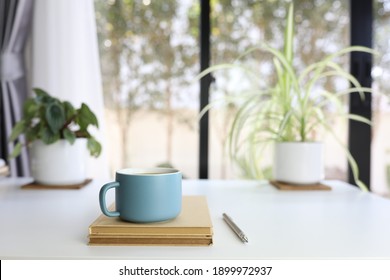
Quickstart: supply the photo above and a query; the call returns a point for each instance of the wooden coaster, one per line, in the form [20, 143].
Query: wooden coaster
[4, 171]
[290, 187]
[37, 186]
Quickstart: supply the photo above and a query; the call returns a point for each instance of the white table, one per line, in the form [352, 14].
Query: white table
[342, 223]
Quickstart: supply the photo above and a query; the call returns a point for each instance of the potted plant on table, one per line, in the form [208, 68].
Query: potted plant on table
[289, 113]
[58, 136]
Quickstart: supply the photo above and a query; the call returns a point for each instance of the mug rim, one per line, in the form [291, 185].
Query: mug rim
[149, 171]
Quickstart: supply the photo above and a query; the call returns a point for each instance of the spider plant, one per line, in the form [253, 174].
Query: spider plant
[291, 109]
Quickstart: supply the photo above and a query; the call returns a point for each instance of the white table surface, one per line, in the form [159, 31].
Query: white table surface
[342, 223]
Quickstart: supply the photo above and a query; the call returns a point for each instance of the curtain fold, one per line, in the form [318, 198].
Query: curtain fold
[15, 19]
[65, 61]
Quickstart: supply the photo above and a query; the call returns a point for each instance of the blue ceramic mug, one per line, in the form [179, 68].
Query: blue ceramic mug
[144, 195]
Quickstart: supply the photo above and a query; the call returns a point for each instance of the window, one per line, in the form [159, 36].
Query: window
[149, 57]
[239, 25]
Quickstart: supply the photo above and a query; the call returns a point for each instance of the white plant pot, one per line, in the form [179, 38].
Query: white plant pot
[60, 163]
[298, 162]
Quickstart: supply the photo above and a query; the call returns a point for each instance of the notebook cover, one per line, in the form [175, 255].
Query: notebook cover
[193, 220]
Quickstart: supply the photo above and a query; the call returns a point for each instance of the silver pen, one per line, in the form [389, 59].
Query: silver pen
[234, 227]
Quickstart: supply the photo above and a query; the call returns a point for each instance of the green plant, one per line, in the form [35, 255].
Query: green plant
[293, 108]
[49, 119]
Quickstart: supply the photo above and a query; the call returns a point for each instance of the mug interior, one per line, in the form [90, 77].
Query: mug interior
[147, 171]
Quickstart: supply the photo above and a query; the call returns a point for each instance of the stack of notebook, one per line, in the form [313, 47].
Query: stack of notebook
[192, 227]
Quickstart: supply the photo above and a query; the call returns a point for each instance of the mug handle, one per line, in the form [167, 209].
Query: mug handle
[102, 199]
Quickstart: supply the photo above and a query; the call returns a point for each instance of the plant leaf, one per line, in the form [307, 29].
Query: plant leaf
[94, 147]
[16, 151]
[47, 135]
[69, 135]
[86, 117]
[55, 117]
[43, 97]
[289, 34]
[17, 130]
[69, 110]
[30, 109]
[32, 133]
[358, 118]
[351, 160]
[40, 92]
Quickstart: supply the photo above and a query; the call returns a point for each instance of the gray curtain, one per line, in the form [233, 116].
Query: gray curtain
[15, 25]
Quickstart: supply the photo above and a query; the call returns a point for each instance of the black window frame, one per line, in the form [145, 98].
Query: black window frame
[359, 134]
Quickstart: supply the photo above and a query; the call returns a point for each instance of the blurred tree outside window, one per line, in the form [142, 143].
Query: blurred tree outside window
[149, 58]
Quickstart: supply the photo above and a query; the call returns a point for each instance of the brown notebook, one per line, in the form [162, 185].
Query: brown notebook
[152, 241]
[192, 227]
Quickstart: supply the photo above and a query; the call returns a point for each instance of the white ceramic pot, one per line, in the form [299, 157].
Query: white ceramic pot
[298, 162]
[60, 163]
